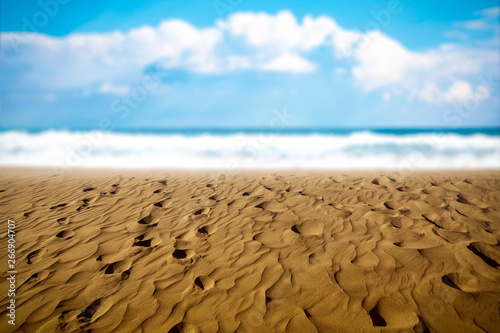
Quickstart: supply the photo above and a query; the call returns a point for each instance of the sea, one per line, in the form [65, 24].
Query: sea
[252, 148]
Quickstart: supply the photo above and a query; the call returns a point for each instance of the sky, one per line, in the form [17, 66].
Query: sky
[236, 63]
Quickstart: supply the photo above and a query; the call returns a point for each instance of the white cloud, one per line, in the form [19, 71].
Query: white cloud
[488, 19]
[492, 12]
[281, 32]
[289, 63]
[456, 35]
[83, 60]
[435, 76]
[109, 88]
[111, 62]
[476, 24]
[459, 91]
[92, 59]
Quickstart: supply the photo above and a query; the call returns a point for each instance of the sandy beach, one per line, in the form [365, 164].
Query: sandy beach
[269, 251]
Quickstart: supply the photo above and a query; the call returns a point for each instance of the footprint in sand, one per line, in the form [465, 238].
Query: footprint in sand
[110, 268]
[479, 250]
[67, 234]
[58, 206]
[61, 220]
[308, 228]
[85, 205]
[87, 314]
[206, 230]
[396, 222]
[184, 255]
[140, 241]
[272, 206]
[179, 254]
[32, 256]
[148, 220]
[32, 280]
[449, 282]
[203, 230]
[125, 274]
[204, 282]
[392, 205]
[421, 326]
[462, 199]
[376, 318]
[201, 211]
[183, 327]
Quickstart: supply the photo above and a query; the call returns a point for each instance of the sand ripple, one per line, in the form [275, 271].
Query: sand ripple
[211, 252]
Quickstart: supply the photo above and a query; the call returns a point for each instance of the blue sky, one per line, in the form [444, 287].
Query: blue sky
[232, 63]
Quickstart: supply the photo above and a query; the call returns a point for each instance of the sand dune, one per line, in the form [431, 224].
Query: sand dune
[254, 252]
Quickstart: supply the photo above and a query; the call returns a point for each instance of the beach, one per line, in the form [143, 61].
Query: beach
[252, 251]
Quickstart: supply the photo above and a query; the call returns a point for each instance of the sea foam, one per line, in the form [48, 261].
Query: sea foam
[356, 150]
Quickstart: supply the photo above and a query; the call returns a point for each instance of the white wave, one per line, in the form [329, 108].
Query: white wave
[359, 150]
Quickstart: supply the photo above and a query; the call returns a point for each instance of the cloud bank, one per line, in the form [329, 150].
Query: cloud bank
[109, 63]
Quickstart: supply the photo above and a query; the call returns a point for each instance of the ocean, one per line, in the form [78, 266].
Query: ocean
[235, 149]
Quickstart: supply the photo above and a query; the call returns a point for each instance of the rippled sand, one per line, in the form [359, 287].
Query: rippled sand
[253, 252]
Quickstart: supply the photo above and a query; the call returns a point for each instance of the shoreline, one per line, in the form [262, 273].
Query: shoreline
[37, 170]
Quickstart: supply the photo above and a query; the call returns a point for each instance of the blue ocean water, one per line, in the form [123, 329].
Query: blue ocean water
[251, 148]
[286, 130]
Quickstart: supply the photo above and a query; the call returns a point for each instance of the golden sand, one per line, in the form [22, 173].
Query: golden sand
[253, 252]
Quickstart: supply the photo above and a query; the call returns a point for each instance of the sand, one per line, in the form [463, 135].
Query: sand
[253, 252]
